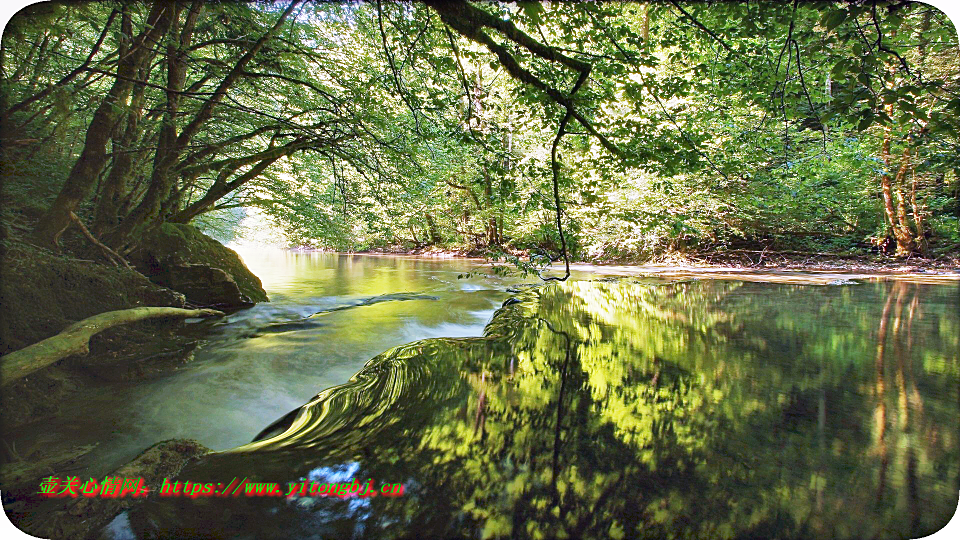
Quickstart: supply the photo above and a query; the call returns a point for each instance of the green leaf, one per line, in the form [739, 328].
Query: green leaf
[840, 69]
[833, 19]
[533, 11]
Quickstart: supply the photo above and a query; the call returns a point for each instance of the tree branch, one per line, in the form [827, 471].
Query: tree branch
[68, 77]
[75, 339]
[700, 25]
[469, 21]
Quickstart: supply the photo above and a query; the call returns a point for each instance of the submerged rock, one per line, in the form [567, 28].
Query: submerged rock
[306, 323]
[80, 517]
[207, 272]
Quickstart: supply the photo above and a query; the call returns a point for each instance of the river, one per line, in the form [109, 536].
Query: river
[637, 407]
[329, 313]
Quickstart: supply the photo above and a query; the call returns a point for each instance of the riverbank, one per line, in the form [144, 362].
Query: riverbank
[759, 266]
[798, 268]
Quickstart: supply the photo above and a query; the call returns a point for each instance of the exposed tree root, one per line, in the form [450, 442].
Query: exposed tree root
[75, 339]
[111, 255]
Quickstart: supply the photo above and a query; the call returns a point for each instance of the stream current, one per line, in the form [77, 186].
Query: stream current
[629, 408]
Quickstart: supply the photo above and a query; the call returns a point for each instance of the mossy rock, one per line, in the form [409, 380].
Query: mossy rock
[207, 272]
[41, 293]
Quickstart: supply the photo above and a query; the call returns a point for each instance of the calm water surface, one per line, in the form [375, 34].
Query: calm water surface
[622, 409]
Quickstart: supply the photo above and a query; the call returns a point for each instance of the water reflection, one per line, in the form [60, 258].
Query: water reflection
[329, 313]
[624, 410]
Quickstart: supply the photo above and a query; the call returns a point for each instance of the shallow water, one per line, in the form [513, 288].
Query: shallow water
[718, 409]
[259, 363]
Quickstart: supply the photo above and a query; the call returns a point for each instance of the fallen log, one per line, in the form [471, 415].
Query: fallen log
[75, 339]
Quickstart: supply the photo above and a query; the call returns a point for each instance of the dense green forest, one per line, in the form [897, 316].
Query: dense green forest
[139, 137]
[609, 131]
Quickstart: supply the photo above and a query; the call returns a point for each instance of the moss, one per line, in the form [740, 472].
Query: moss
[172, 245]
[41, 293]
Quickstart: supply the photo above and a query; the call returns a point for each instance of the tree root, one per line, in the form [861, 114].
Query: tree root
[111, 255]
[75, 339]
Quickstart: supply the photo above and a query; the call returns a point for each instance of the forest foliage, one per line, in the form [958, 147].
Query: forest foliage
[640, 129]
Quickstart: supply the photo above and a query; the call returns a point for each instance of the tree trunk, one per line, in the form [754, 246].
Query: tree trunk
[170, 149]
[93, 158]
[896, 210]
[646, 23]
[110, 196]
[432, 229]
[492, 237]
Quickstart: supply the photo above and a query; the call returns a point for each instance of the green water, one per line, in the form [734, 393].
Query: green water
[703, 409]
[339, 311]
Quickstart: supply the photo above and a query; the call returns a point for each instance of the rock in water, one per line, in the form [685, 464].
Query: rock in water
[83, 516]
[205, 285]
[205, 271]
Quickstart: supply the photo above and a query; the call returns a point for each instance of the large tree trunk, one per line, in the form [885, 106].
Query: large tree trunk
[114, 188]
[93, 158]
[168, 151]
[171, 145]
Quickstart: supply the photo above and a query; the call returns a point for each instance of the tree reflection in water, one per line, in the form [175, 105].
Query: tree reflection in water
[626, 410]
